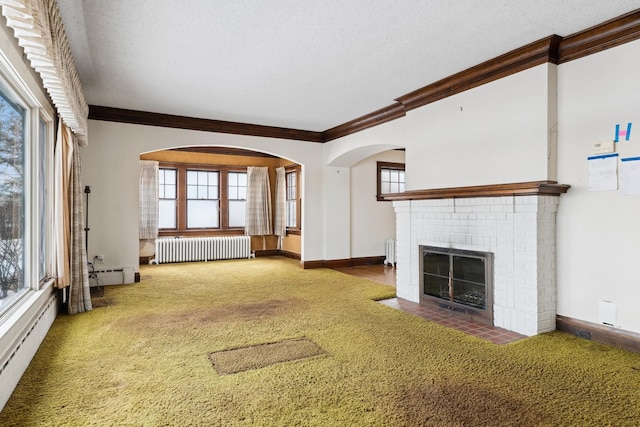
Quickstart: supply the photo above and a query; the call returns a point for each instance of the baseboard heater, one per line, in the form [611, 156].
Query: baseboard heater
[19, 343]
[186, 249]
[112, 276]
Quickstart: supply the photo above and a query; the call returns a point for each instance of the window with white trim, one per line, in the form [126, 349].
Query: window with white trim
[24, 198]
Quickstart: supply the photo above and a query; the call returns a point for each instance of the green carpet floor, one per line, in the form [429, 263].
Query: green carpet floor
[142, 358]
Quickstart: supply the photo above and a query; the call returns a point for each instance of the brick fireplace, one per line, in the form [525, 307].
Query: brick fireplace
[514, 222]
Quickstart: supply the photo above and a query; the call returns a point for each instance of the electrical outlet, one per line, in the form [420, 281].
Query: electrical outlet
[99, 259]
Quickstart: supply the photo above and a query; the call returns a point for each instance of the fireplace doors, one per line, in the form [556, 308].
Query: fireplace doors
[458, 279]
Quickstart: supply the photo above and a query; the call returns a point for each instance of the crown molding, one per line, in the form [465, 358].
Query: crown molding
[111, 114]
[616, 32]
[383, 115]
[528, 56]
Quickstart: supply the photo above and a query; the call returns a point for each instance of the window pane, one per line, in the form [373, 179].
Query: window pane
[202, 185]
[237, 210]
[291, 185]
[202, 214]
[170, 176]
[233, 179]
[237, 186]
[203, 192]
[12, 125]
[167, 183]
[192, 191]
[391, 180]
[166, 214]
[291, 213]
[233, 193]
[213, 193]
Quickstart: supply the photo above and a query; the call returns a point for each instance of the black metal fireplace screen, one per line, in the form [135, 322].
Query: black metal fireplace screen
[458, 279]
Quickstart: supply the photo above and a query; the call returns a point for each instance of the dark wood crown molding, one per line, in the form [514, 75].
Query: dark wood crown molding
[383, 115]
[531, 188]
[553, 49]
[207, 125]
[612, 33]
[515, 61]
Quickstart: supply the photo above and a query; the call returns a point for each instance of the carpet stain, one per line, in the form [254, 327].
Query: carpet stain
[225, 314]
[463, 404]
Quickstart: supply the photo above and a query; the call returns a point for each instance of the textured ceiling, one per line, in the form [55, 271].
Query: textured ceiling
[301, 64]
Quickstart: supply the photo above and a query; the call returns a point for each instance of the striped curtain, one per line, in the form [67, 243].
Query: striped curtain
[148, 189]
[71, 255]
[258, 216]
[280, 221]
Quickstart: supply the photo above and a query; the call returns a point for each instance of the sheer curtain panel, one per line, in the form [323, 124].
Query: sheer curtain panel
[70, 253]
[148, 189]
[258, 218]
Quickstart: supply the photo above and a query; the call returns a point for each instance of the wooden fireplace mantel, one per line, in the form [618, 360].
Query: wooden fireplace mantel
[532, 188]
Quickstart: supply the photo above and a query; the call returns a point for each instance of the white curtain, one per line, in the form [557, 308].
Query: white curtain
[63, 156]
[280, 220]
[70, 254]
[148, 190]
[258, 216]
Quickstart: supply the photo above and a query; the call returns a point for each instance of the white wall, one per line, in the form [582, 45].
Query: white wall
[337, 193]
[493, 134]
[372, 222]
[598, 232]
[110, 167]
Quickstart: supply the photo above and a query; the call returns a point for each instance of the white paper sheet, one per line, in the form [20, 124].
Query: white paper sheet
[603, 172]
[630, 176]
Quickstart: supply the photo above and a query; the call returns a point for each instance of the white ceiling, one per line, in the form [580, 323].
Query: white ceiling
[301, 64]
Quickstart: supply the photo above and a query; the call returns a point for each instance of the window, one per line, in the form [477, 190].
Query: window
[202, 199]
[237, 198]
[24, 256]
[390, 178]
[13, 119]
[292, 199]
[167, 198]
[198, 198]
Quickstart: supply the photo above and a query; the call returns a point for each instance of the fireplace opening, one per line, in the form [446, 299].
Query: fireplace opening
[459, 280]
